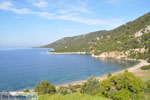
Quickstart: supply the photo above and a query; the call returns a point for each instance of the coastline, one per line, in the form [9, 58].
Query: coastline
[131, 69]
[66, 53]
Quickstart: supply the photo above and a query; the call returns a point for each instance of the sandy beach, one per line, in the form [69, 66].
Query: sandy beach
[131, 69]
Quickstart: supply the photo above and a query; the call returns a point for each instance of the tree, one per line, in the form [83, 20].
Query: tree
[91, 86]
[124, 86]
[109, 75]
[71, 89]
[26, 90]
[63, 90]
[45, 88]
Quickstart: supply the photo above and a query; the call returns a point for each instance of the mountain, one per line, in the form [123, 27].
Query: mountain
[75, 43]
[131, 39]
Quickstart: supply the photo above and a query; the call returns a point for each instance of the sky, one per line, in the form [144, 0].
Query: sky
[27, 23]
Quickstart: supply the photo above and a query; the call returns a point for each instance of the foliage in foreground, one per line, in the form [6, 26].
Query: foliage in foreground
[74, 96]
[147, 90]
[45, 88]
[67, 90]
[91, 86]
[124, 86]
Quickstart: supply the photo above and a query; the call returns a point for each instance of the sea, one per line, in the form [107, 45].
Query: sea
[23, 68]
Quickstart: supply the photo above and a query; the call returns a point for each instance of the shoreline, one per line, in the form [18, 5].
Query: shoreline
[66, 53]
[102, 77]
[133, 68]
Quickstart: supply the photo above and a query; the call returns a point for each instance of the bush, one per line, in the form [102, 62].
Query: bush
[147, 90]
[26, 90]
[72, 89]
[77, 86]
[91, 86]
[63, 90]
[145, 67]
[124, 86]
[45, 88]
[109, 75]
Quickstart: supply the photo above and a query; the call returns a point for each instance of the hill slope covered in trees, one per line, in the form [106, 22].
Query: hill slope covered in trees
[75, 43]
[131, 39]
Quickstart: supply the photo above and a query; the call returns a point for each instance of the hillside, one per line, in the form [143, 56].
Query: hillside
[131, 39]
[76, 43]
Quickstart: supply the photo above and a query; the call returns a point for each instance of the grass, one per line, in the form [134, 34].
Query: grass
[146, 77]
[75, 96]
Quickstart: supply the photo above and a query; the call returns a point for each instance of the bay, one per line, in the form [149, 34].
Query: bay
[24, 68]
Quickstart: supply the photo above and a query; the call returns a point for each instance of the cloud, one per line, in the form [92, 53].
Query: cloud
[109, 23]
[46, 15]
[39, 3]
[9, 7]
[69, 15]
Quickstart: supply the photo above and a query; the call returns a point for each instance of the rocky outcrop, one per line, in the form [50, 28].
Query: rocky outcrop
[142, 31]
[119, 55]
[113, 54]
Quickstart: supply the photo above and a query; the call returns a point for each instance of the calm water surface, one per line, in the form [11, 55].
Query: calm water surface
[23, 68]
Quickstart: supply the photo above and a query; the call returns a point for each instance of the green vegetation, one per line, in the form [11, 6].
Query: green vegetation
[67, 90]
[74, 44]
[63, 90]
[145, 67]
[124, 86]
[109, 75]
[26, 90]
[91, 86]
[122, 39]
[147, 90]
[145, 76]
[45, 88]
[75, 96]
[131, 39]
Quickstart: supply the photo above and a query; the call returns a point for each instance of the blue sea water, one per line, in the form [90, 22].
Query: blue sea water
[24, 68]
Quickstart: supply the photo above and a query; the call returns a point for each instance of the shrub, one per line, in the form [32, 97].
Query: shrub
[26, 90]
[124, 86]
[109, 75]
[72, 89]
[45, 88]
[91, 86]
[145, 67]
[63, 90]
[147, 90]
[77, 86]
